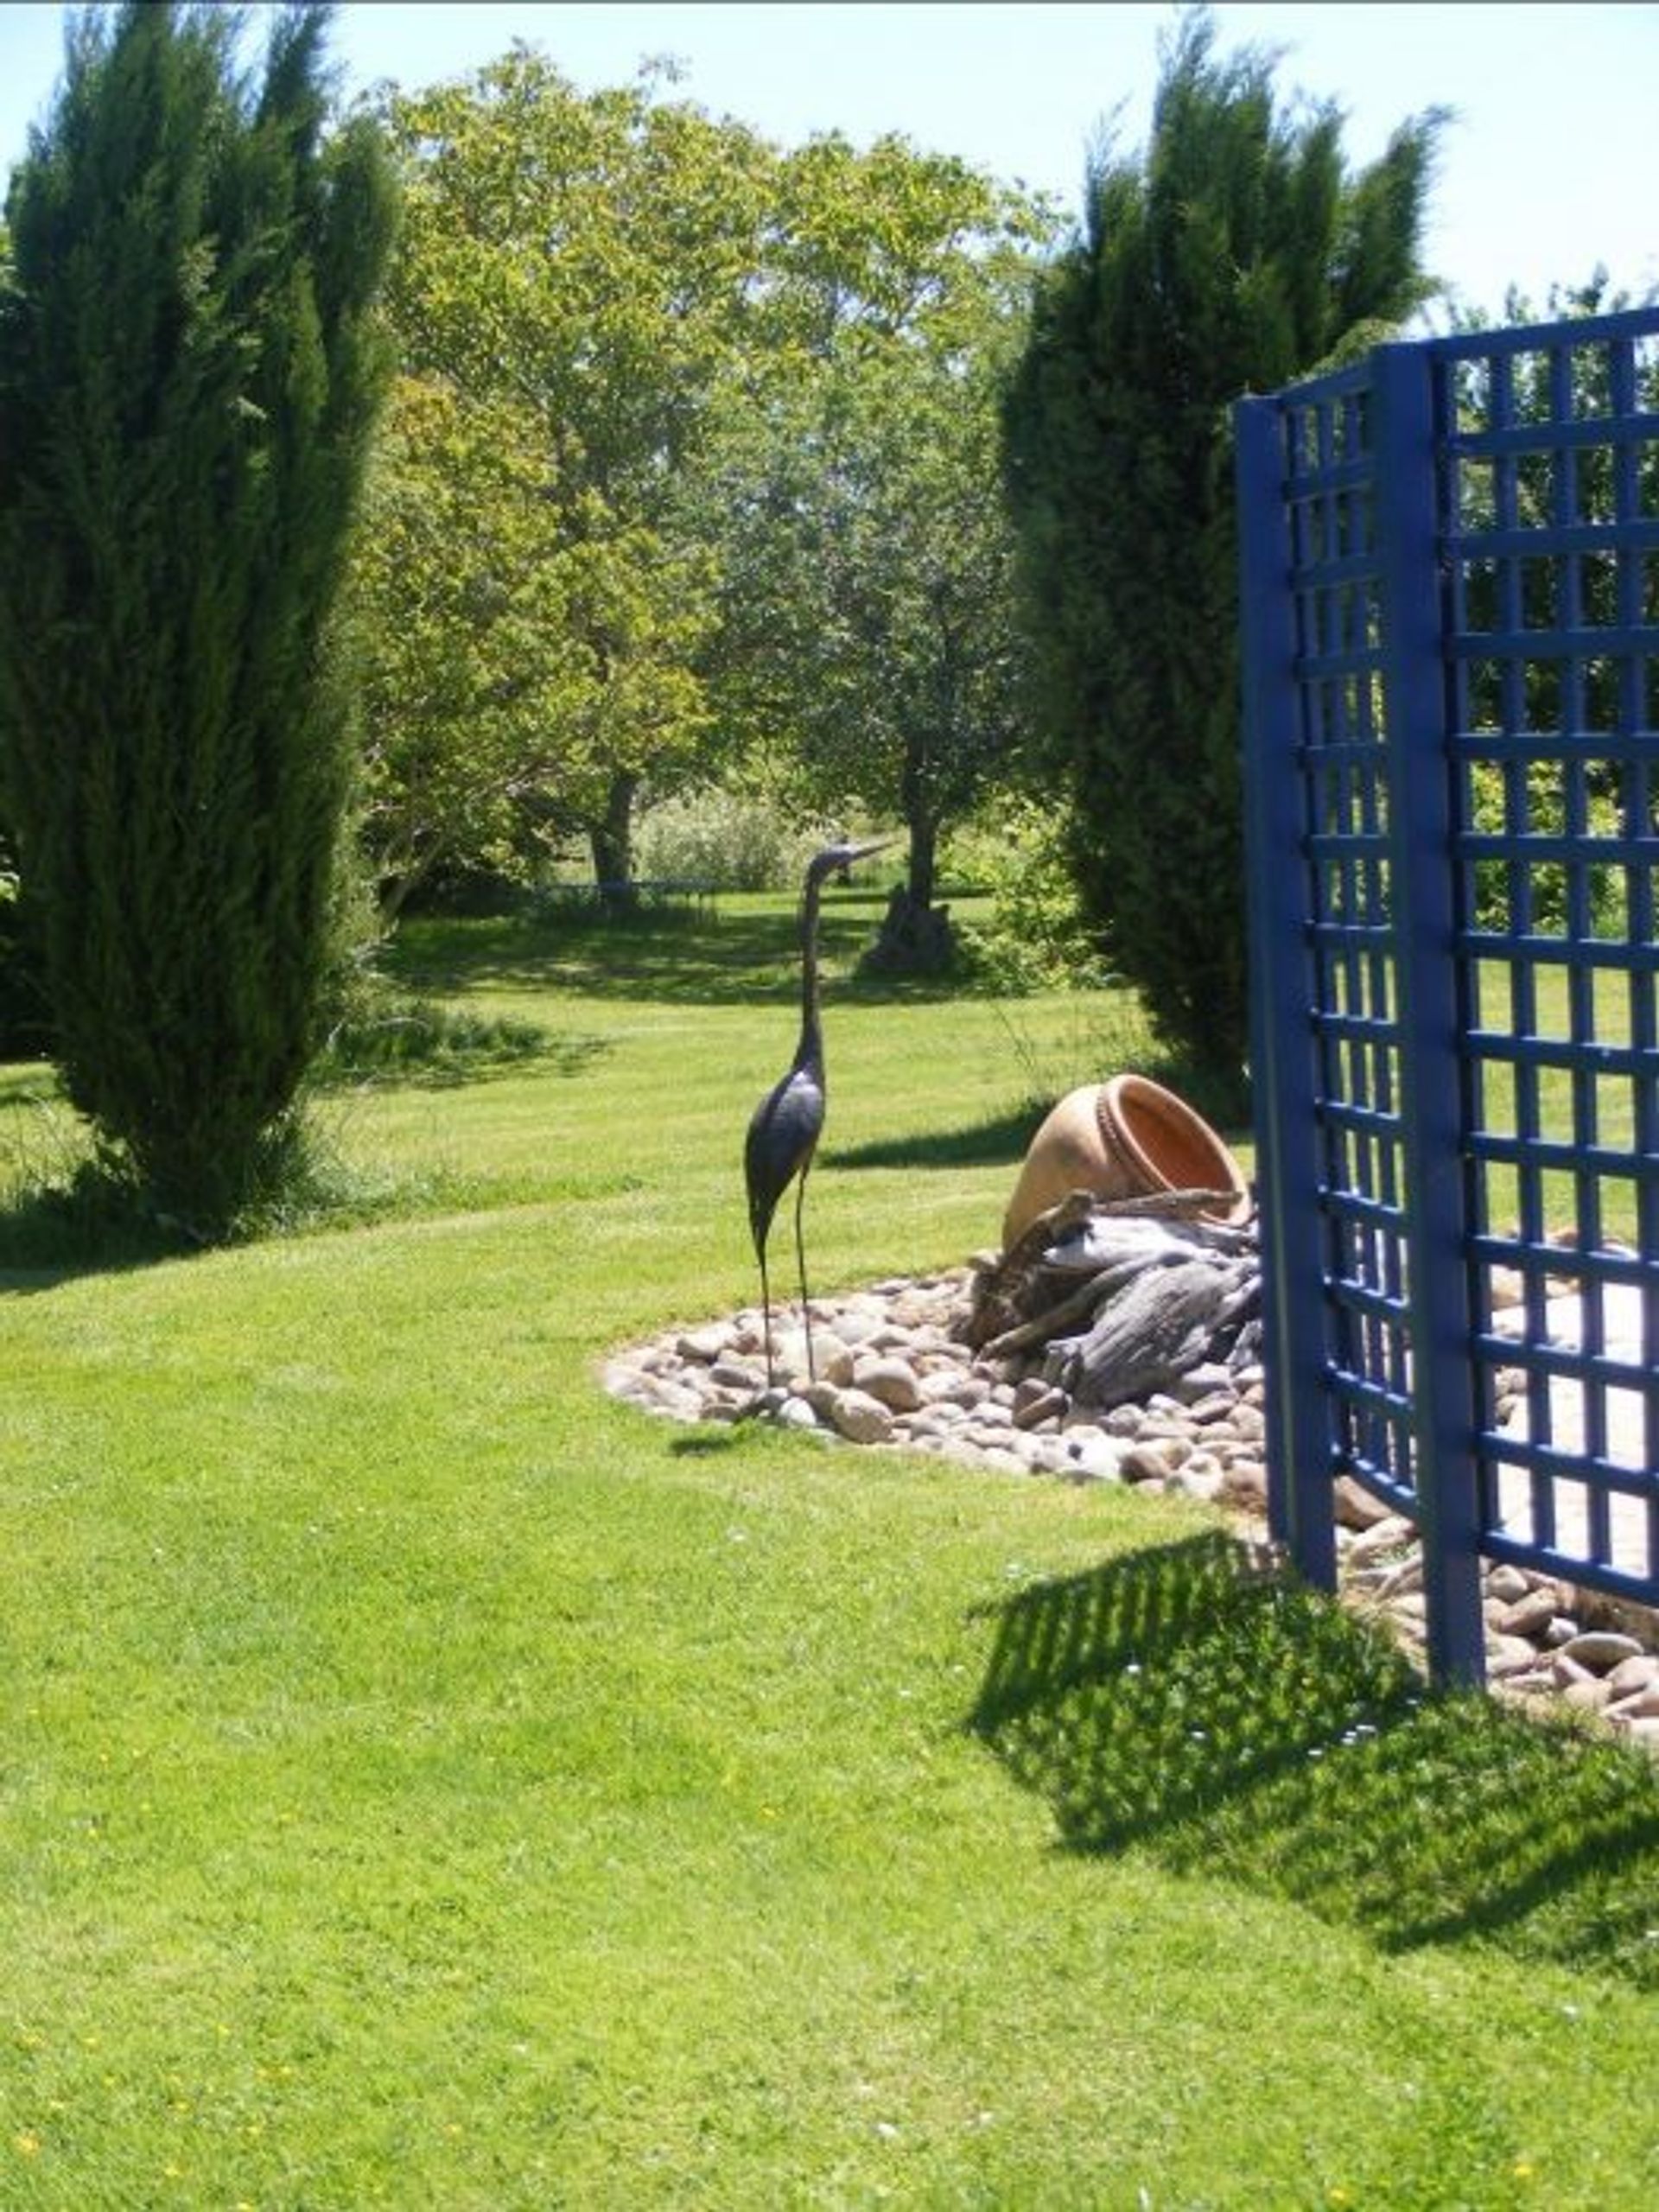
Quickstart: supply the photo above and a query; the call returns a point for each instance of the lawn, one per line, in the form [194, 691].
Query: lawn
[429, 1782]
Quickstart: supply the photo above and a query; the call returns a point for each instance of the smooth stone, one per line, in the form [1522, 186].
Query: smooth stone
[1007, 1462]
[1539, 1683]
[1050, 1458]
[634, 1390]
[854, 1327]
[1382, 1537]
[1246, 1484]
[1633, 1674]
[1161, 1402]
[832, 1359]
[859, 1417]
[736, 1373]
[703, 1344]
[890, 1381]
[1590, 1695]
[1203, 1484]
[1507, 1584]
[1221, 1406]
[888, 1338]
[1100, 1457]
[1407, 1574]
[1510, 1654]
[1529, 1616]
[1600, 1649]
[1356, 1505]
[1144, 1463]
[946, 1387]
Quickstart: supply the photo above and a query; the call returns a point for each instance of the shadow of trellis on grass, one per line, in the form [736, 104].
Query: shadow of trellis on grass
[1198, 1703]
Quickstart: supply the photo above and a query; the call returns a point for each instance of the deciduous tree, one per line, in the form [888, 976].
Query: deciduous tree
[869, 638]
[582, 268]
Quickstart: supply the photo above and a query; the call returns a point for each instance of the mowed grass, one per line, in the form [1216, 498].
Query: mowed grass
[430, 1783]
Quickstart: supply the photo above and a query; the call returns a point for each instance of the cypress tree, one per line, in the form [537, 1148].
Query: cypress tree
[1237, 255]
[190, 363]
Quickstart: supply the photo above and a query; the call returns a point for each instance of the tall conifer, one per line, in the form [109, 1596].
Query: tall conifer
[1239, 254]
[189, 367]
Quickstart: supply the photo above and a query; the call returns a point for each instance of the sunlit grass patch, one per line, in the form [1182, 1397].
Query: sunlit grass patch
[429, 1782]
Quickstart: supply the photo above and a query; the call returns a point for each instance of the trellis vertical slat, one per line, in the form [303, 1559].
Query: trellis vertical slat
[1432, 1019]
[1283, 1045]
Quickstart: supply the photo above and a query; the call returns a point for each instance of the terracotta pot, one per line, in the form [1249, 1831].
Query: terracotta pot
[1126, 1138]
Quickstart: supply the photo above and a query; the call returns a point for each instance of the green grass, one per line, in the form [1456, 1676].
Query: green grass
[429, 1782]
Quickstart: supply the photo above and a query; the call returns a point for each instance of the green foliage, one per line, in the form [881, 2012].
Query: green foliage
[1035, 936]
[729, 840]
[189, 365]
[571, 289]
[1527, 799]
[881, 577]
[458, 599]
[1237, 253]
[869, 585]
[635, 335]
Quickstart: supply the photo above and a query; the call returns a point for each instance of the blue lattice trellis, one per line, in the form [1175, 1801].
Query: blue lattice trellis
[1450, 596]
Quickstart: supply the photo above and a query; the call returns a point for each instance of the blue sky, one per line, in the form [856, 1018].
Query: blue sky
[1543, 174]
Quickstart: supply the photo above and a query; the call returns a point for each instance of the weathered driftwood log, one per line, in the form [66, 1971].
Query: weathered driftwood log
[1173, 1317]
[1075, 1236]
[1161, 1292]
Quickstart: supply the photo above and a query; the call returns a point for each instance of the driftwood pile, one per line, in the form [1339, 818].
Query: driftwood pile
[1120, 1297]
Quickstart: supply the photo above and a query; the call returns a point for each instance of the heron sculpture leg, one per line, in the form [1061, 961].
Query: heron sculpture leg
[765, 1318]
[800, 1262]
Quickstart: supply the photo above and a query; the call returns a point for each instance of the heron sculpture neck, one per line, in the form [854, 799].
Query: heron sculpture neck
[809, 1054]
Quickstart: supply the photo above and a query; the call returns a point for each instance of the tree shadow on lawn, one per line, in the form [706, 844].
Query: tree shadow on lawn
[674, 955]
[1197, 1701]
[1000, 1140]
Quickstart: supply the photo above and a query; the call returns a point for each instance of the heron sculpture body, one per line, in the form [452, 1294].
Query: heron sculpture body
[784, 1130]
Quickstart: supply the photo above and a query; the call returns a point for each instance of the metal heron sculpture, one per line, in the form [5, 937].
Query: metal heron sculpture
[784, 1130]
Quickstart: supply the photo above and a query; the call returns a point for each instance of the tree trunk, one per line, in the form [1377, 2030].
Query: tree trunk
[916, 937]
[923, 871]
[611, 839]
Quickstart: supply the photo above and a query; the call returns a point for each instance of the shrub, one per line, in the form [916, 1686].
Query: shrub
[189, 368]
[1036, 938]
[1238, 253]
[732, 840]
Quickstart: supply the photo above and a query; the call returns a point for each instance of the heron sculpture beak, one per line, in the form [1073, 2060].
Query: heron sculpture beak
[863, 852]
